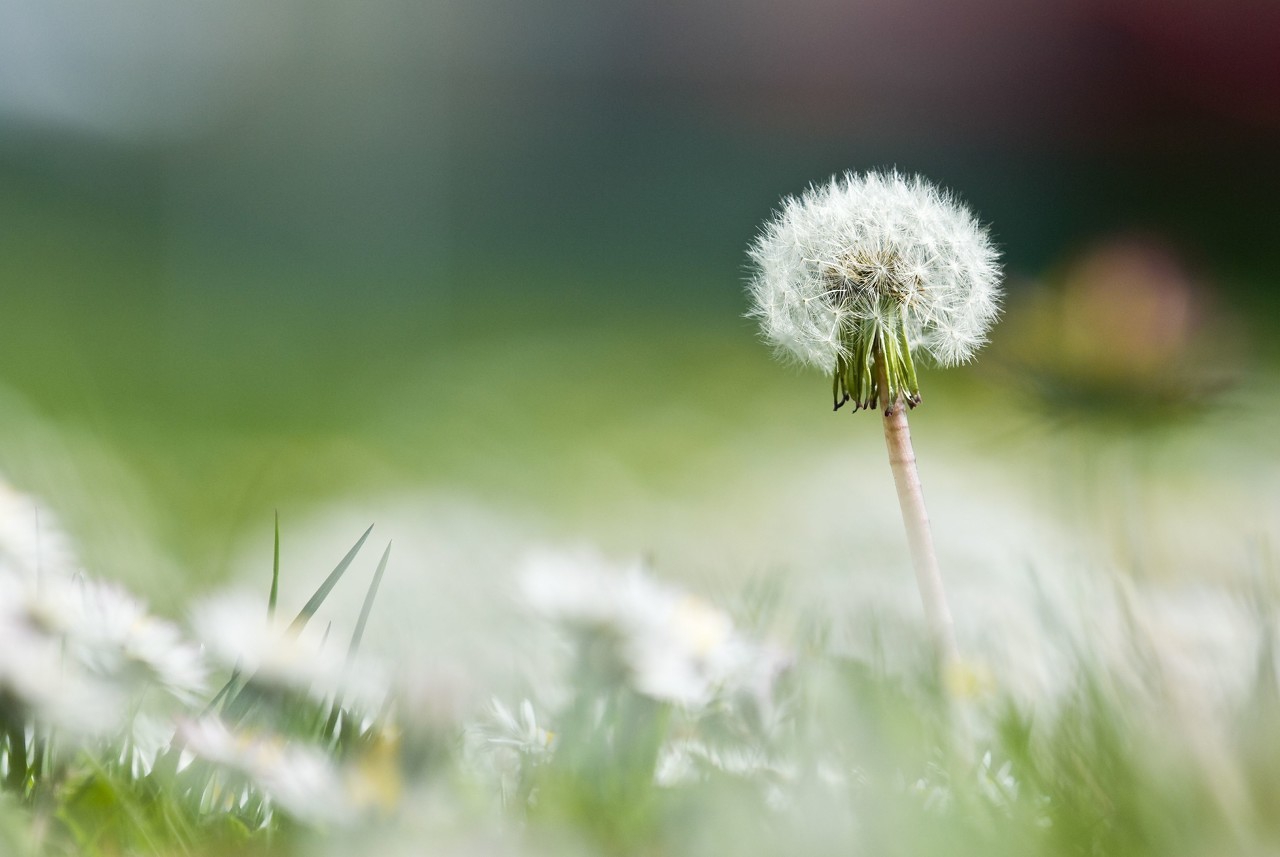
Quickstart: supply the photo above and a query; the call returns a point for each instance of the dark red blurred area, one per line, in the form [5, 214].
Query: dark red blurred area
[1072, 72]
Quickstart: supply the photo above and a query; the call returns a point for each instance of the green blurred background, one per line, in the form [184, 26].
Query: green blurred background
[285, 256]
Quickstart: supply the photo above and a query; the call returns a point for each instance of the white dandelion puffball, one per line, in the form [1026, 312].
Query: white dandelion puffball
[869, 266]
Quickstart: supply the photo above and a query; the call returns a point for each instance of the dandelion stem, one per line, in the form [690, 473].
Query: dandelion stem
[902, 460]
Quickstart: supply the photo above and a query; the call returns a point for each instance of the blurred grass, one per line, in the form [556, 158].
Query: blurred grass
[209, 415]
[168, 417]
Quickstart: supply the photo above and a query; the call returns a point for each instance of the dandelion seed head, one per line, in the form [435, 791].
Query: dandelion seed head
[873, 251]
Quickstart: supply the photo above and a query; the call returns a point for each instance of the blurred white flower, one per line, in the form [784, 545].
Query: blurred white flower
[299, 779]
[675, 647]
[686, 761]
[32, 541]
[75, 651]
[504, 745]
[999, 786]
[117, 637]
[522, 733]
[934, 790]
[237, 633]
[38, 681]
[874, 262]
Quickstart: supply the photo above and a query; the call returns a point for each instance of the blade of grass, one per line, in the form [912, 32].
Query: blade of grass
[310, 608]
[238, 705]
[365, 609]
[275, 573]
[271, 612]
[226, 689]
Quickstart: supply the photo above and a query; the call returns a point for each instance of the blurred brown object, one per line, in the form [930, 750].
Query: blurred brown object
[1127, 327]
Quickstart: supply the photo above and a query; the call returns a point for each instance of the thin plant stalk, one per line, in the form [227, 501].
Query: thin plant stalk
[902, 460]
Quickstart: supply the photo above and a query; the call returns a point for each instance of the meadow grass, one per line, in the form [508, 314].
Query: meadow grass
[661, 725]
[1114, 591]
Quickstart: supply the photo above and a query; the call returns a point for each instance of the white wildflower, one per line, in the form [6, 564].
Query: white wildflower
[869, 265]
[116, 636]
[32, 542]
[38, 681]
[48, 604]
[934, 790]
[299, 779]
[999, 786]
[675, 647]
[238, 634]
[686, 761]
[504, 745]
[72, 650]
[684, 651]
[521, 733]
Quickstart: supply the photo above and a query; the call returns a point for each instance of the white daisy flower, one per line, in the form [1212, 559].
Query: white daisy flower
[503, 745]
[299, 779]
[32, 541]
[675, 647]
[686, 761]
[117, 637]
[522, 732]
[998, 785]
[38, 681]
[874, 264]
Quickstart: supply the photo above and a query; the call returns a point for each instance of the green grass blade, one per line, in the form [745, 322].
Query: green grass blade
[367, 607]
[331, 725]
[310, 608]
[226, 689]
[275, 573]
[237, 705]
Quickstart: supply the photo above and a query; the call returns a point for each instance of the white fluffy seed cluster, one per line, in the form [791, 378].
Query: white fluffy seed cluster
[874, 248]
